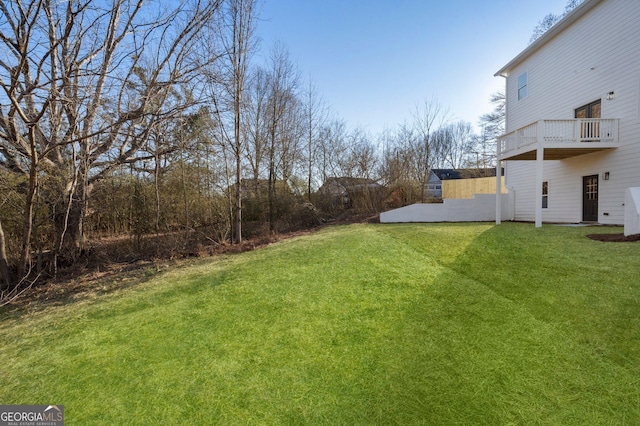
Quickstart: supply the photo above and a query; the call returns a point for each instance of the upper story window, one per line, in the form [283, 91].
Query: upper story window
[591, 110]
[522, 86]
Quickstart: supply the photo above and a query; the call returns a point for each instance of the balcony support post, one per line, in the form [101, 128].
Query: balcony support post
[498, 191]
[539, 179]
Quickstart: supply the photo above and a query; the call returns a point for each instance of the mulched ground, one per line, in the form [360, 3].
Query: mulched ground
[615, 238]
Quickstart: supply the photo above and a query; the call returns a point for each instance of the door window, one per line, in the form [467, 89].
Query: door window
[590, 198]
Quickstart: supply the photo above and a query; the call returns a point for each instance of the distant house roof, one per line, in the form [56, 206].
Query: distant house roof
[336, 185]
[447, 174]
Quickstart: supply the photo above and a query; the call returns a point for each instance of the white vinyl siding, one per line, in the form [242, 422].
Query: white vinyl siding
[598, 54]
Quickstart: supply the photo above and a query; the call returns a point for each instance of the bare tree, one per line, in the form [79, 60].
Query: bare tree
[283, 84]
[492, 127]
[82, 85]
[360, 159]
[427, 118]
[332, 148]
[255, 124]
[315, 114]
[238, 26]
[5, 273]
[395, 168]
[551, 19]
[456, 142]
[493, 122]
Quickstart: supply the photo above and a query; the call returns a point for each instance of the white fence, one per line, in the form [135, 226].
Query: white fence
[480, 208]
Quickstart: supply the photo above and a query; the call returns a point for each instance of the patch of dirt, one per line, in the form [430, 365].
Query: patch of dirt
[112, 264]
[615, 238]
[346, 219]
[103, 271]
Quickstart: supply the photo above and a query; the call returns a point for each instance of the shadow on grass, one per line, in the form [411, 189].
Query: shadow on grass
[525, 326]
[365, 324]
[59, 294]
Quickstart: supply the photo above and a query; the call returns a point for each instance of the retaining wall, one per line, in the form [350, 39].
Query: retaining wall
[480, 208]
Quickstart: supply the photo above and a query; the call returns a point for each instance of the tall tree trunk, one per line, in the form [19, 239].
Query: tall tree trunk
[5, 273]
[242, 14]
[238, 154]
[69, 222]
[156, 187]
[27, 229]
[309, 170]
[185, 201]
[271, 184]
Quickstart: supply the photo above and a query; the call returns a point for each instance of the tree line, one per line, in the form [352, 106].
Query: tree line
[148, 120]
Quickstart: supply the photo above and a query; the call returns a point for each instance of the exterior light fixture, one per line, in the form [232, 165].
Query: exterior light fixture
[611, 95]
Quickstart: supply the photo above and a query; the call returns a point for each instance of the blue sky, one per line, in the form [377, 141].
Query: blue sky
[373, 61]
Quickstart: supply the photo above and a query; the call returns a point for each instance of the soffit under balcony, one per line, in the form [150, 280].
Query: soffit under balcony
[553, 153]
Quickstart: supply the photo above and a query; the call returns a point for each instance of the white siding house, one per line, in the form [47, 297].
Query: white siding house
[572, 142]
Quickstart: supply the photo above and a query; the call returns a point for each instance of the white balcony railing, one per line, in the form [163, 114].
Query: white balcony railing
[576, 133]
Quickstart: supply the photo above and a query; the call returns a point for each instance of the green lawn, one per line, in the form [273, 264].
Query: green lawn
[364, 324]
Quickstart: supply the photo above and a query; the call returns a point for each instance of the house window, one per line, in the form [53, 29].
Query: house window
[545, 195]
[522, 86]
[591, 110]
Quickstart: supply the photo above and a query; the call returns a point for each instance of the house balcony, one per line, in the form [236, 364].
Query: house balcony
[560, 139]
